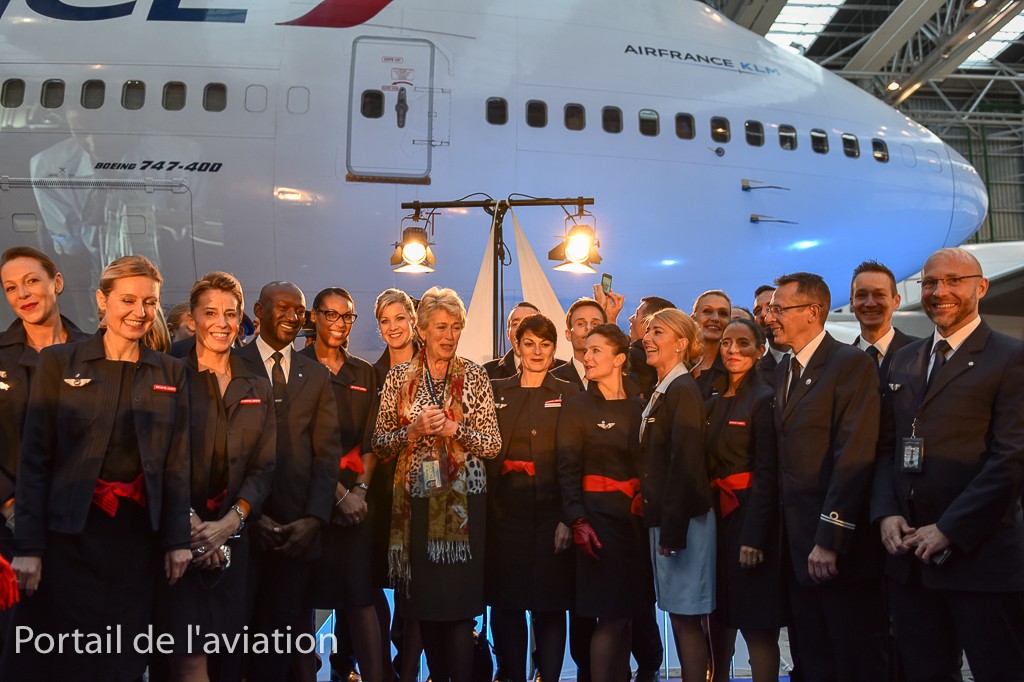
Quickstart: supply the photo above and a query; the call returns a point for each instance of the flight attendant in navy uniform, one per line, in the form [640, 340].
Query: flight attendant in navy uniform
[395, 313]
[528, 567]
[103, 486]
[32, 286]
[233, 430]
[598, 447]
[742, 462]
[342, 577]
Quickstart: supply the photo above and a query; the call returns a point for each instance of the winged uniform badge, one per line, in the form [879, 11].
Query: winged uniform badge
[605, 425]
[77, 382]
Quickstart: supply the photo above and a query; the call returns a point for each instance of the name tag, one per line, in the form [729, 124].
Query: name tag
[250, 401]
[911, 455]
[735, 423]
[162, 388]
[553, 403]
[361, 389]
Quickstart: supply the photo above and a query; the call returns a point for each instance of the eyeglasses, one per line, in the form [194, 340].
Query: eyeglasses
[333, 315]
[932, 282]
[777, 310]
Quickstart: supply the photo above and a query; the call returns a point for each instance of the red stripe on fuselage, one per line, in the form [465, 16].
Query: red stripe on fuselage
[340, 13]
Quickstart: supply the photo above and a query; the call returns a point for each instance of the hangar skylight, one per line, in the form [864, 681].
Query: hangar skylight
[1005, 37]
[800, 22]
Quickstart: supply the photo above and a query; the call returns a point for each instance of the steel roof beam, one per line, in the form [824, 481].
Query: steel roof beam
[756, 15]
[893, 34]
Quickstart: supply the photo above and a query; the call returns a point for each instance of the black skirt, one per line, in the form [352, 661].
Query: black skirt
[523, 571]
[621, 583]
[748, 597]
[99, 582]
[446, 592]
[206, 602]
[343, 575]
[379, 500]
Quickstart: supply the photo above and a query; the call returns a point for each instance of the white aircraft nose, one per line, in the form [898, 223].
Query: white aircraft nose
[970, 200]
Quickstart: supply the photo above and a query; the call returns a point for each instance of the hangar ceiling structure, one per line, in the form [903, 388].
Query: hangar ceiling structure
[955, 66]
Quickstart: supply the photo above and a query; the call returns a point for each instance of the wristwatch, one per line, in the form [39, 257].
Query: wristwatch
[365, 487]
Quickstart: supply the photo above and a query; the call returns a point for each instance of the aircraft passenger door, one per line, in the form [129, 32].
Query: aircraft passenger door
[391, 108]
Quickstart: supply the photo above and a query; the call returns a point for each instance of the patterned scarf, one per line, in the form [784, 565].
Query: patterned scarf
[448, 512]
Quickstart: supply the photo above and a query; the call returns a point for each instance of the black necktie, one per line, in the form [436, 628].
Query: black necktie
[794, 368]
[277, 376]
[874, 353]
[939, 351]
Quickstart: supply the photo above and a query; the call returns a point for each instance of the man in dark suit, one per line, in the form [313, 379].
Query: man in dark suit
[826, 417]
[508, 365]
[584, 314]
[873, 299]
[286, 535]
[948, 485]
[645, 376]
[775, 352]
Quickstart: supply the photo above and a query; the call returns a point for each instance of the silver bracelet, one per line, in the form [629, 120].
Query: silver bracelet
[338, 503]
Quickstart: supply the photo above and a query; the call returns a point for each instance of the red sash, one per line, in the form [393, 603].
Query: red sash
[8, 585]
[630, 488]
[353, 460]
[510, 465]
[214, 503]
[106, 493]
[726, 488]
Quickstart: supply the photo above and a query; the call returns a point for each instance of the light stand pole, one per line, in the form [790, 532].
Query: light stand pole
[497, 208]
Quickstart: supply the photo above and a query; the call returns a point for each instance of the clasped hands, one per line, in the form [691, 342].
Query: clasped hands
[432, 421]
[899, 538]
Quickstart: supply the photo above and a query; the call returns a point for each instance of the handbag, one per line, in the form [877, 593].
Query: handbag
[483, 662]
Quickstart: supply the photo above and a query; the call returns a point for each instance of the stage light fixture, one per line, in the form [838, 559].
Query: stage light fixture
[578, 248]
[413, 253]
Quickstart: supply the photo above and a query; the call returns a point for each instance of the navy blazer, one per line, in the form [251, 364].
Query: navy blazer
[509, 400]
[828, 432]
[252, 434]
[503, 367]
[17, 362]
[567, 372]
[972, 423]
[70, 411]
[355, 391]
[899, 340]
[743, 439]
[308, 441]
[673, 474]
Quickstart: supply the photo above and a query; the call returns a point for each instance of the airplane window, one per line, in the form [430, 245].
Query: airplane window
[909, 157]
[934, 162]
[215, 97]
[174, 96]
[372, 104]
[819, 140]
[880, 150]
[575, 117]
[53, 94]
[536, 114]
[133, 95]
[719, 129]
[93, 94]
[851, 146]
[611, 119]
[649, 124]
[497, 111]
[685, 128]
[13, 93]
[755, 133]
[256, 98]
[787, 137]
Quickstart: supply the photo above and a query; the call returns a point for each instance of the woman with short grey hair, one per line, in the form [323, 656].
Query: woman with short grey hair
[437, 415]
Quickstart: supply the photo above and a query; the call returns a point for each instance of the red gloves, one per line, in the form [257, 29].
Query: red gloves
[585, 538]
